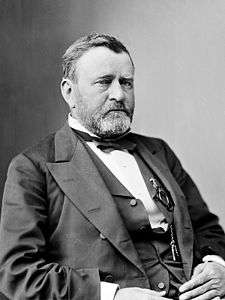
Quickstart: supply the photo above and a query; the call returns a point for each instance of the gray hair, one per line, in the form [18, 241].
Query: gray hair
[83, 44]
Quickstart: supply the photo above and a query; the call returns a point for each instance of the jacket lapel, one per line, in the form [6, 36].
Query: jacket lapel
[181, 218]
[80, 180]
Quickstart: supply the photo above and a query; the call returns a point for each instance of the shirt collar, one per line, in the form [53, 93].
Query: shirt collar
[75, 124]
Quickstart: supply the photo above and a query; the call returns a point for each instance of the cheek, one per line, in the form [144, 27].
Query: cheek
[95, 102]
[130, 98]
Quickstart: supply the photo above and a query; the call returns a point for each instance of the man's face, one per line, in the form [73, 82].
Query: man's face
[103, 92]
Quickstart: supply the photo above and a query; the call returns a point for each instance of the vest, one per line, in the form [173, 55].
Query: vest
[154, 249]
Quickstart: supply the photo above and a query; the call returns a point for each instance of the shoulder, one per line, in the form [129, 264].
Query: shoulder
[57, 145]
[160, 149]
[43, 149]
[35, 156]
[154, 144]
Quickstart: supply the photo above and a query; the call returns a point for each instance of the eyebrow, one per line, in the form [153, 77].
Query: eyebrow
[112, 76]
[105, 77]
[128, 78]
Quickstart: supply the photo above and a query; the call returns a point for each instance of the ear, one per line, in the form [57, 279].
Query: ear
[67, 87]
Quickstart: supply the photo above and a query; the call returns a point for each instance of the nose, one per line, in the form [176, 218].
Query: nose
[116, 92]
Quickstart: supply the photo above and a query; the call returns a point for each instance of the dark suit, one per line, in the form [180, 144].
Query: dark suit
[61, 233]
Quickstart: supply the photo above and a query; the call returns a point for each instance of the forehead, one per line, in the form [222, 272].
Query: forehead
[100, 61]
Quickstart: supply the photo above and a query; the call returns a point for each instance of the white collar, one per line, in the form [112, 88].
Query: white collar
[75, 124]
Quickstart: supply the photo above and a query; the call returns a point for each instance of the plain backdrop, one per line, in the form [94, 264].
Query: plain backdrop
[178, 48]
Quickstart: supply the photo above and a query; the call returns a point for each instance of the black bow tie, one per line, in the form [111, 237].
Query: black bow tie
[108, 145]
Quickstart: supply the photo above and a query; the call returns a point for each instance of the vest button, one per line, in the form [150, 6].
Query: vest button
[108, 278]
[161, 285]
[133, 202]
[102, 236]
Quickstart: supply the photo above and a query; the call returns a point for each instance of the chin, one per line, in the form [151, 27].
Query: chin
[114, 130]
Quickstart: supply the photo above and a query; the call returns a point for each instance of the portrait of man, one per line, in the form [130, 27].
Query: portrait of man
[95, 210]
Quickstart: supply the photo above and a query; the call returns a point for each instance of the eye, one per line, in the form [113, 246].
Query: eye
[104, 82]
[127, 83]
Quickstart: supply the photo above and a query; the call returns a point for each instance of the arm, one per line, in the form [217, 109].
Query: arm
[209, 235]
[208, 279]
[25, 272]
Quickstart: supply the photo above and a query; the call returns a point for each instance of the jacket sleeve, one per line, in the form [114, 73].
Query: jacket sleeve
[24, 271]
[209, 235]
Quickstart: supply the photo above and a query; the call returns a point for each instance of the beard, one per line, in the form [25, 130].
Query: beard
[107, 121]
[113, 125]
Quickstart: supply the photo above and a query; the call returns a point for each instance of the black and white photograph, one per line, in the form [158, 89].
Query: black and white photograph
[112, 165]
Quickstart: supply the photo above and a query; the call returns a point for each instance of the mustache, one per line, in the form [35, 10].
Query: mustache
[118, 107]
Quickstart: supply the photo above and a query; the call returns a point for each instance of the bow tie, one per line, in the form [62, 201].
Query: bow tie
[108, 145]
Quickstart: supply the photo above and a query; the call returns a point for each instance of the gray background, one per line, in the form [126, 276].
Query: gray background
[179, 50]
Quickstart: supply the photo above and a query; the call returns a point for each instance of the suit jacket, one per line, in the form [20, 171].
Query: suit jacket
[61, 233]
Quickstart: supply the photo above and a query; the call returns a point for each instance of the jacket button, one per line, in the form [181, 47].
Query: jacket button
[143, 228]
[109, 278]
[133, 202]
[161, 285]
[102, 236]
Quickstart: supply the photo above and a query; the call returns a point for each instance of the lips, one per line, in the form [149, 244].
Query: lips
[123, 110]
[118, 111]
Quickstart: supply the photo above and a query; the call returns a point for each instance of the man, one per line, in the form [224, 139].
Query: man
[94, 211]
